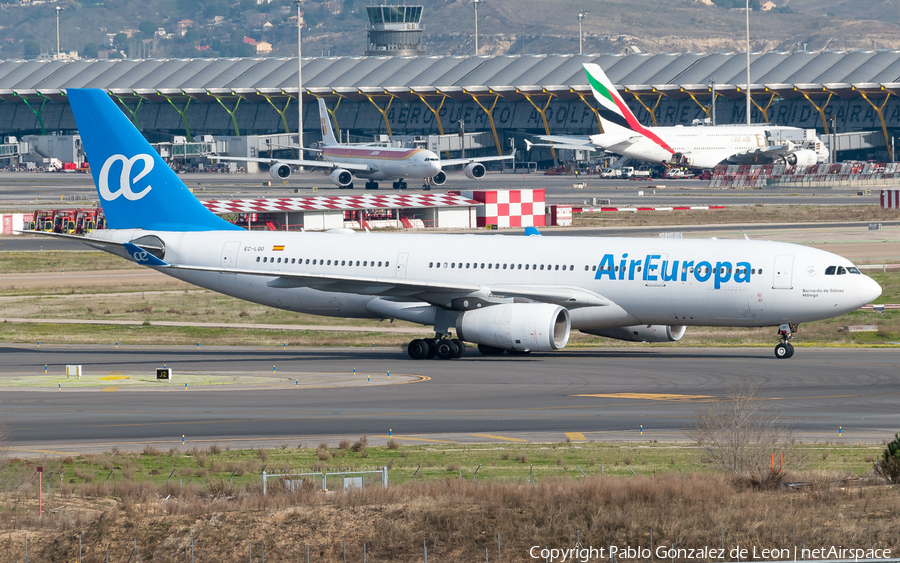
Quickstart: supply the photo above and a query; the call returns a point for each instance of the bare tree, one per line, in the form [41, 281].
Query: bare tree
[740, 436]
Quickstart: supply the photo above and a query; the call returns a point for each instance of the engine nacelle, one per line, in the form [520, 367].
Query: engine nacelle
[341, 178]
[641, 333]
[280, 171]
[517, 326]
[475, 170]
[439, 179]
[803, 157]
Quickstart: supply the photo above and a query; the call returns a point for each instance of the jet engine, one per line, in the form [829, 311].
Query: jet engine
[517, 326]
[475, 170]
[641, 333]
[439, 179]
[341, 178]
[803, 157]
[280, 171]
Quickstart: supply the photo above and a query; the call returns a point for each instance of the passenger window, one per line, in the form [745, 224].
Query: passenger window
[489, 266]
[257, 258]
[753, 271]
[452, 264]
[760, 271]
[482, 265]
[379, 264]
[557, 267]
[504, 266]
[497, 266]
[571, 267]
[638, 268]
[829, 271]
[431, 264]
[343, 262]
[357, 262]
[542, 266]
[520, 267]
[386, 264]
[293, 260]
[526, 266]
[586, 268]
[265, 258]
[841, 271]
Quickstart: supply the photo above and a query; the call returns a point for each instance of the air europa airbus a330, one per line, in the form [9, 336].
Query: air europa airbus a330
[503, 293]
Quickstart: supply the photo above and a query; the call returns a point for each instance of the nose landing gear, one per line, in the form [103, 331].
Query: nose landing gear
[784, 349]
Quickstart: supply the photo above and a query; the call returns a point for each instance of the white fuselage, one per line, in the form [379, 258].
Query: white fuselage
[703, 146]
[385, 163]
[647, 281]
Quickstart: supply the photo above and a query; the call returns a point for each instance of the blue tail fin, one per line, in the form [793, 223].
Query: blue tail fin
[137, 188]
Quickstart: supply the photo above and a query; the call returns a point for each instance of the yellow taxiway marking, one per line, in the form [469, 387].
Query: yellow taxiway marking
[494, 437]
[110, 389]
[576, 436]
[114, 373]
[418, 439]
[647, 396]
[113, 377]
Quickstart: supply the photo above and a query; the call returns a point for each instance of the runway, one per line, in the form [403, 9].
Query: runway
[596, 394]
[22, 191]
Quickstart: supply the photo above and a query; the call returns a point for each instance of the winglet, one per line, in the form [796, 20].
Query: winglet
[532, 232]
[142, 256]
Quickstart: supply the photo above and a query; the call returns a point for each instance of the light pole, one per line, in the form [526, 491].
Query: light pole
[581, 16]
[58, 9]
[300, 77]
[748, 62]
[476, 2]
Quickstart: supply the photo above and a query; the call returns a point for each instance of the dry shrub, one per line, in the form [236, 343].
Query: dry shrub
[360, 444]
[344, 444]
[173, 452]
[201, 473]
[740, 437]
[215, 449]
[504, 455]
[393, 444]
[150, 451]
[84, 475]
[323, 446]
[219, 486]
[284, 446]
[559, 461]
[453, 466]
[262, 454]
[201, 459]
[339, 453]
[522, 458]
[318, 467]
[323, 455]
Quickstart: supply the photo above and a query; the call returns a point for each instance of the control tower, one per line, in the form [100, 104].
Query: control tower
[394, 31]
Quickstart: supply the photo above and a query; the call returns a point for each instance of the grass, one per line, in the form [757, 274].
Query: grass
[115, 499]
[62, 260]
[759, 213]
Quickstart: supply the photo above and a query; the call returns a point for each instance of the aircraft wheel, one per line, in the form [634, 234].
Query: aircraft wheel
[460, 347]
[432, 349]
[782, 352]
[445, 349]
[790, 348]
[426, 187]
[402, 185]
[396, 185]
[417, 349]
[489, 350]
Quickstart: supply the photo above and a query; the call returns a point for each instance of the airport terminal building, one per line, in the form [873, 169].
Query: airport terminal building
[498, 101]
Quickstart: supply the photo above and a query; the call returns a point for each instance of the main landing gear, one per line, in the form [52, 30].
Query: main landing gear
[784, 349]
[400, 185]
[371, 185]
[442, 348]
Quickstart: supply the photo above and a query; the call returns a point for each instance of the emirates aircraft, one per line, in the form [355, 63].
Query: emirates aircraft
[373, 163]
[694, 147]
[511, 294]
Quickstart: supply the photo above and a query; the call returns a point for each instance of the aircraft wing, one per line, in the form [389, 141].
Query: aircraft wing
[582, 143]
[298, 162]
[560, 145]
[770, 152]
[458, 161]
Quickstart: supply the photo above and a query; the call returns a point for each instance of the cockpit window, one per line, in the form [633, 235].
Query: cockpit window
[841, 271]
[829, 271]
[853, 270]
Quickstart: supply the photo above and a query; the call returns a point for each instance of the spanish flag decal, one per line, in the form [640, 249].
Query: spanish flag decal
[278, 248]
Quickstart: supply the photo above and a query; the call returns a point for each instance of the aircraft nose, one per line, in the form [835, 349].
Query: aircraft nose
[869, 290]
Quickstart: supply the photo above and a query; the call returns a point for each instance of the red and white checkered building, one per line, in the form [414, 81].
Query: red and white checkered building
[508, 208]
[890, 199]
